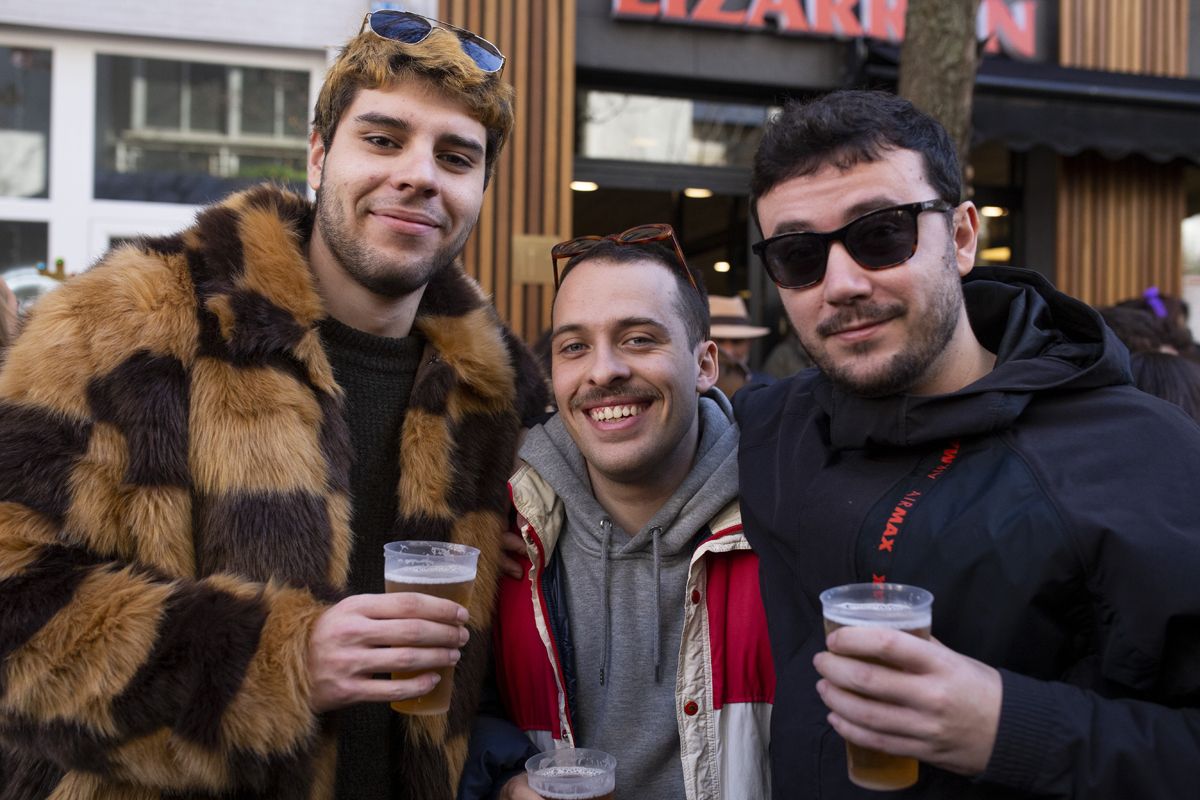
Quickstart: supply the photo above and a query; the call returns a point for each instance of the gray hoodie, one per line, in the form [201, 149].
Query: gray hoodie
[625, 598]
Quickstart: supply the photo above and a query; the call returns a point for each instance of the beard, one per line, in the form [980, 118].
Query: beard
[378, 272]
[920, 353]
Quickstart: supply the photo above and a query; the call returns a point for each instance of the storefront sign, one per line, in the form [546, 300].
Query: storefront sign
[1009, 26]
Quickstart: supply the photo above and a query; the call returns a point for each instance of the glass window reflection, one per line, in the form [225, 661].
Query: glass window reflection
[671, 130]
[24, 122]
[190, 132]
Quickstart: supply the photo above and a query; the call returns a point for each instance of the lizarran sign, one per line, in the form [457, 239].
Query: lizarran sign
[1010, 26]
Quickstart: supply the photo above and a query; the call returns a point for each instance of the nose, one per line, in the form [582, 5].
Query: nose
[608, 366]
[415, 170]
[845, 280]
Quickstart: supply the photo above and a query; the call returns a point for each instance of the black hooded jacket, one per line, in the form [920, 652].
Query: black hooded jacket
[1054, 512]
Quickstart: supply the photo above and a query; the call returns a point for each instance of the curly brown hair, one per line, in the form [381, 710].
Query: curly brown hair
[369, 61]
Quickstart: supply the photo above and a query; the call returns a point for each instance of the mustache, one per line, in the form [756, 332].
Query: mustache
[859, 315]
[599, 395]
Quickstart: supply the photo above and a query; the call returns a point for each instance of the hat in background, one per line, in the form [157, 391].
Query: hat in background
[731, 320]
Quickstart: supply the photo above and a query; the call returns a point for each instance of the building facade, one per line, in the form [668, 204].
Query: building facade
[121, 118]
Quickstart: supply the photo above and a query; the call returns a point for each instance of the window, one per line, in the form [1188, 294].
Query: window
[190, 132]
[24, 122]
[672, 130]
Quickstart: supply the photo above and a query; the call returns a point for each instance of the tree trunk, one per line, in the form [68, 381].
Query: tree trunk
[938, 60]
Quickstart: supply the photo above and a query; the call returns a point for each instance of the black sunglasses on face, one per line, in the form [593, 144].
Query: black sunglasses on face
[410, 28]
[878, 240]
[641, 234]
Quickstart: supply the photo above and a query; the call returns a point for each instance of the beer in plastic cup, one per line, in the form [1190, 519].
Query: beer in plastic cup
[879, 605]
[440, 569]
[574, 773]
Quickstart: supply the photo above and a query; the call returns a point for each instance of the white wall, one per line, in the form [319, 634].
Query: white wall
[296, 24]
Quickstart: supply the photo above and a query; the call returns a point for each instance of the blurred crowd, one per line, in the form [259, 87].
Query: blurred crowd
[1163, 356]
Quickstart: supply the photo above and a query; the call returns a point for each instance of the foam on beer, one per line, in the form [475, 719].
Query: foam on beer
[430, 573]
[896, 616]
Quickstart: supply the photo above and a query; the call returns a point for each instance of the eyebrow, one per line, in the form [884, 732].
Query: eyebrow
[467, 143]
[852, 213]
[627, 322]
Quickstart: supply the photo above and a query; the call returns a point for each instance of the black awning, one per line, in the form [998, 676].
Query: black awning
[1028, 104]
[1072, 110]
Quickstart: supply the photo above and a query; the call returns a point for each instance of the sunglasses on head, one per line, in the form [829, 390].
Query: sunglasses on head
[410, 28]
[641, 234]
[878, 240]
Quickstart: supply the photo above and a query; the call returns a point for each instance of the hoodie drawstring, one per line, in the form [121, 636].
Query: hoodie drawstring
[655, 532]
[606, 612]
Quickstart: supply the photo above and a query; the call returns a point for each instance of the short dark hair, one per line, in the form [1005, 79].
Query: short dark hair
[1171, 377]
[846, 128]
[1140, 331]
[691, 304]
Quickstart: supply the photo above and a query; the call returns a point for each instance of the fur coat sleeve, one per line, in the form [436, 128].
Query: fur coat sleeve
[122, 659]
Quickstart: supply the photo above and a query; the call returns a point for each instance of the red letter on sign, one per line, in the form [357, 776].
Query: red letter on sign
[788, 14]
[1015, 28]
[885, 19]
[837, 17]
[711, 11]
[635, 8]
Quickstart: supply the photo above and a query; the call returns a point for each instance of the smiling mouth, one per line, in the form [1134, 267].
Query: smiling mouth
[605, 413]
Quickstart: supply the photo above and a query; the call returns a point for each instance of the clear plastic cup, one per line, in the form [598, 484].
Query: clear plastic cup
[879, 605]
[575, 773]
[440, 569]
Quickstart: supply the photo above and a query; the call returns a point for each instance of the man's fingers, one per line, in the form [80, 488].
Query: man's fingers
[876, 681]
[408, 605]
[863, 737]
[412, 633]
[390, 690]
[405, 659]
[883, 718]
[894, 648]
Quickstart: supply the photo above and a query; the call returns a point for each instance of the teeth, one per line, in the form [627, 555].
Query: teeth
[615, 412]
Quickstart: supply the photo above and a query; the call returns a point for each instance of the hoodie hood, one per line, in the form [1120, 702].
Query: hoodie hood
[1044, 341]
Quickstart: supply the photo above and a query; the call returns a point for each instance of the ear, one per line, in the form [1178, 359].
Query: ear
[966, 236]
[706, 356]
[316, 160]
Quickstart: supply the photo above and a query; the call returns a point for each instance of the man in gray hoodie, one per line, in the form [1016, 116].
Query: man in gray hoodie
[636, 626]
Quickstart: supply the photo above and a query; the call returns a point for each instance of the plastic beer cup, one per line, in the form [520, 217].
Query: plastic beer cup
[879, 605]
[574, 773]
[440, 569]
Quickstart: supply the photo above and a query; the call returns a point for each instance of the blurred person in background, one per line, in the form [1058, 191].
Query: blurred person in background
[1173, 313]
[207, 438]
[733, 333]
[788, 356]
[1139, 330]
[1169, 376]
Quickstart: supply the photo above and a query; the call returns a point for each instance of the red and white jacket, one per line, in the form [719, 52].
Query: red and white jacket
[725, 683]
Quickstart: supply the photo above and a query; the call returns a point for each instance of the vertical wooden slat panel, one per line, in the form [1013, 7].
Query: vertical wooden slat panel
[528, 194]
[1119, 221]
[1120, 228]
[1142, 36]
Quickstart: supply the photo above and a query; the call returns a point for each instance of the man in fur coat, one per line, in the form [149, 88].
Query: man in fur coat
[206, 440]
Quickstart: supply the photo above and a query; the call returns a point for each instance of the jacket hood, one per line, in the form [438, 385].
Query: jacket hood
[1045, 341]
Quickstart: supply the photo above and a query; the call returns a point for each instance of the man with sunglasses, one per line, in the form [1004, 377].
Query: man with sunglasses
[206, 440]
[636, 625]
[972, 432]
